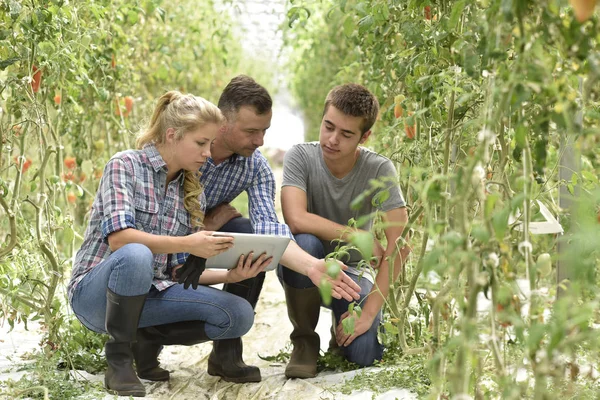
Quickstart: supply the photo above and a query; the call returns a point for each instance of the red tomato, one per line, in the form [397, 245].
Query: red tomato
[128, 105]
[70, 162]
[398, 111]
[427, 12]
[71, 198]
[36, 79]
[57, 99]
[410, 131]
[69, 176]
[583, 9]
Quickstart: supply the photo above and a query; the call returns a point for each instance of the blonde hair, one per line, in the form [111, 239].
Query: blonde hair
[184, 113]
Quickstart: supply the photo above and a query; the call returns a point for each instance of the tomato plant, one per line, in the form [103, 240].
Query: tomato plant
[62, 65]
[498, 92]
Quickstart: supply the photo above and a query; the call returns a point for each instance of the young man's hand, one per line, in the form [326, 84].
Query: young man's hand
[247, 269]
[219, 216]
[341, 287]
[361, 325]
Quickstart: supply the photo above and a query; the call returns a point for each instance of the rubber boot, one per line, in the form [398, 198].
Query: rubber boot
[122, 318]
[225, 359]
[151, 340]
[333, 348]
[303, 310]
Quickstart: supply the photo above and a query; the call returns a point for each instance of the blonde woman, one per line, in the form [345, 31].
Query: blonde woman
[146, 221]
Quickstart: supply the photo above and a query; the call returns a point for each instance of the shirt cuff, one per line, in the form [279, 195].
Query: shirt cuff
[178, 259]
[117, 222]
[273, 228]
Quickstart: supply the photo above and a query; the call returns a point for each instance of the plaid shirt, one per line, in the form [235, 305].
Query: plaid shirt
[224, 182]
[132, 195]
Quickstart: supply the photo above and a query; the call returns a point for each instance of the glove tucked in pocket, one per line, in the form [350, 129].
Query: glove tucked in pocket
[190, 272]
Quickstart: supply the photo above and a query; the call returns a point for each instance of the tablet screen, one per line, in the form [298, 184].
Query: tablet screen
[244, 243]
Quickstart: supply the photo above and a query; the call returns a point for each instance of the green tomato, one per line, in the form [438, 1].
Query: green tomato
[544, 264]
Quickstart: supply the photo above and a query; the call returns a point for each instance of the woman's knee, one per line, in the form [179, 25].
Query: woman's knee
[236, 319]
[244, 318]
[139, 258]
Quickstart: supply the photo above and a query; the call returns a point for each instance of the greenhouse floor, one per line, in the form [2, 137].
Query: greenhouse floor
[189, 380]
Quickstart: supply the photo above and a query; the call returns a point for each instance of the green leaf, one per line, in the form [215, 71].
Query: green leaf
[457, 11]
[390, 328]
[325, 290]
[521, 136]
[333, 268]
[500, 222]
[356, 204]
[348, 325]
[8, 62]
[68, 234]
[480, 233]
[161, 13]
[380, 198]
[79, 191]
[364, 242]
[132, 17]
[490, 202]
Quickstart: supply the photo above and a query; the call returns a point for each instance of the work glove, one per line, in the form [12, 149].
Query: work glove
[190, 272]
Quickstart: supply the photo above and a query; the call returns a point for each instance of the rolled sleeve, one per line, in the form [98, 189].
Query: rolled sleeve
[118, 197]
[261, 201]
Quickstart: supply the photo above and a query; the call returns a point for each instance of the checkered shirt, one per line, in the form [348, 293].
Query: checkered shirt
[132, 195]
[224, 182]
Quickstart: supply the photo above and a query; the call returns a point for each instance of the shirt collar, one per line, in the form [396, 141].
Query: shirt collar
[154, 156]
[232, 159]
[157, 162]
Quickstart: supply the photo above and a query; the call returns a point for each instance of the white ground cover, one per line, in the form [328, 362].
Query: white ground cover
[189, 379]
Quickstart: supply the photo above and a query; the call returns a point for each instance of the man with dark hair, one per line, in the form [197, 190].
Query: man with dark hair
[236, 165]
[320, 180]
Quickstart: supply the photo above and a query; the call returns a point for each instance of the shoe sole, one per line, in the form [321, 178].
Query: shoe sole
[155, 378]
[132, 393]
[299, 373]
[244, 379]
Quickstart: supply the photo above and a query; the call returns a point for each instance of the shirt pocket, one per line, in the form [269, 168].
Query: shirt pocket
[183, 225]
[146, 215]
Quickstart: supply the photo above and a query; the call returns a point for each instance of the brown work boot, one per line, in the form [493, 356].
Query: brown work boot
[303, 310]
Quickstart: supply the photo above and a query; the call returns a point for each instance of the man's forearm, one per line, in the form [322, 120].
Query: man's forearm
[322, 228]
[381, 289]
[297, 259]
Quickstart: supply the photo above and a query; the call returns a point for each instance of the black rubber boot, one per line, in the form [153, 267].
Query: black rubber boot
[122, 318]
[225, 359]
[333, 348]
[150, 341]
[303, 310]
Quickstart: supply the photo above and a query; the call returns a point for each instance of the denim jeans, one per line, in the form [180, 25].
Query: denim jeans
[129, 272]
[365, 349]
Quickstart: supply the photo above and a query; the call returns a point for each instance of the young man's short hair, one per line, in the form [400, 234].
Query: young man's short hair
[355, 100]
[244, 91]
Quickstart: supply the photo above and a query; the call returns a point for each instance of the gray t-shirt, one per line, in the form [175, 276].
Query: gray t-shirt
[330, 197]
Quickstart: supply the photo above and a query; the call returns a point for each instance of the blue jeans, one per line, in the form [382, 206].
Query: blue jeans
[365, 349]
[129, 272]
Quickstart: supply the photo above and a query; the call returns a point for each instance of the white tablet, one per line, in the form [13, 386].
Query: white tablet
[244, 243]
